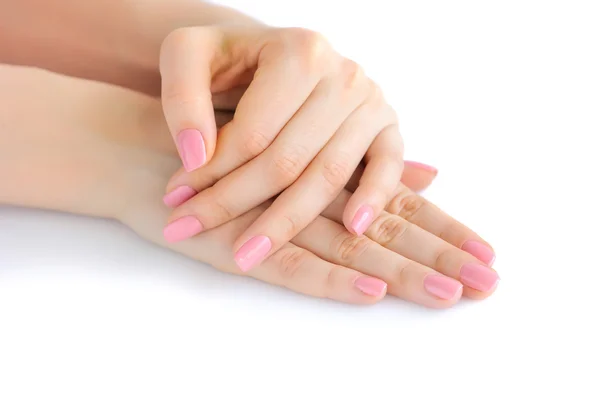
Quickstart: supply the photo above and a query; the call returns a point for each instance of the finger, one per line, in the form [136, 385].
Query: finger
[288, 70]
[284, 161]
[406, 279]
[415, 177]
[419, 211]
[417, 244]
[292, 267]
[302, 271]
[418, 176]
[379, 180]
[318, 185]
[185, 67]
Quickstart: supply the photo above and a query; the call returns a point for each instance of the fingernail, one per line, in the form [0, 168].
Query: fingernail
[423, 166]
[191, 149]
[442, 287]
[479, 277]
[182, 229]
[362, 220]
[178, 196]
[370, 286]
[480, 251]
[252, 252]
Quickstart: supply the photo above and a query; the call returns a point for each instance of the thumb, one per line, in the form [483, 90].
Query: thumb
[185, 66]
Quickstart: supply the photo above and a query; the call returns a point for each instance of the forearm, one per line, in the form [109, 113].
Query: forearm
[115, 41]
[61, 145]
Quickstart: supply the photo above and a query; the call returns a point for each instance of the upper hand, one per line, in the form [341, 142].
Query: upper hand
[305, 119]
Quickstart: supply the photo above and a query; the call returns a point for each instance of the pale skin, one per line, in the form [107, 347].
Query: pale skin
[101, 150]
[125, 51]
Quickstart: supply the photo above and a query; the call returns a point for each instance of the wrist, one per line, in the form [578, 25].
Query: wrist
[63, 142]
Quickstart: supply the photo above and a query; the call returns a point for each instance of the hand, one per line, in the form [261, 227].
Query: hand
[101, 150]
[401, 253]
[305, 119]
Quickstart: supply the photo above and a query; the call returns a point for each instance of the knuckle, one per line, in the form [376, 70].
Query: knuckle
[389, 228]
[349, 247]
[255, 143]
[330, 282]
[443, 259]
[336, 173]
[290, 261]
[402, 279]
[375, 96]
[288, 166]
[312, 47]
[407, 205]
[352, 74]
[221, 211]
[177, 38]
[201, 181]
[290, 225]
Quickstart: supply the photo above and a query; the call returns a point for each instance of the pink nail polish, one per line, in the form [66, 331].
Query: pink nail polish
[182, 229]
[178, 196]
[480, 251]
[479, 277]
[442, 287]
[191, 149]
[370, 286]
[252, 252]
[423, 166]
[362, 220]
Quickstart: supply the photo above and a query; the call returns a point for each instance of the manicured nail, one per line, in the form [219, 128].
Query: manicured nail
[191, 149]
[370, 286]
[479, 277]
[362, 220]
[182, 229]
[423, 166]
[443, 287]
[252, 252]
[178, 196]
[480, 251]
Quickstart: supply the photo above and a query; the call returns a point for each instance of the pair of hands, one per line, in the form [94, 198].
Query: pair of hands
[304, 119]
[104, 151]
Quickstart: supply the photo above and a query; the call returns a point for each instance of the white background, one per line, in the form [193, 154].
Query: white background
[503, 97]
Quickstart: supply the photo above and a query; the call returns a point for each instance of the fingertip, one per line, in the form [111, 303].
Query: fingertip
[362, 220]
[372, 287]
[421, 166]
[192, 149]
[252, 252]
[418, 176]
[178, 196]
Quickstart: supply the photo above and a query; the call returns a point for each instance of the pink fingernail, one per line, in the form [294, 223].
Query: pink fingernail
[182, 229]
[442, 287]
[423, 166]
[191, 149]
[480, 251]
[178, 196]
[370, 286]
[252, 252]
[362, 220]
[479, 277]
